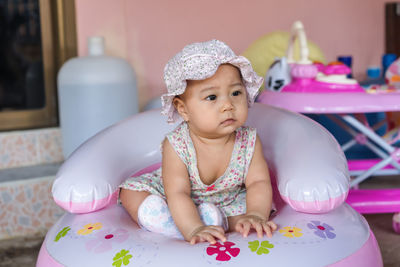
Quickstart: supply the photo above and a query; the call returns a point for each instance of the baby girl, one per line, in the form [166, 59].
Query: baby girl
[213, 177]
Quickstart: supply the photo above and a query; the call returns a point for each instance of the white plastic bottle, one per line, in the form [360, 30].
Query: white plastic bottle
[94, 92]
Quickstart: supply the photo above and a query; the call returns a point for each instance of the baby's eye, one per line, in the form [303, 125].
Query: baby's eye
[236, 93]
[211, 97]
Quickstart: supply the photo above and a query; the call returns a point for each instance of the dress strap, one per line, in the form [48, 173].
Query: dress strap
[178, 139]
[247, 137]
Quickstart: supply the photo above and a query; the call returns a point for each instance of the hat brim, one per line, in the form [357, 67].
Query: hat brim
[251, 79]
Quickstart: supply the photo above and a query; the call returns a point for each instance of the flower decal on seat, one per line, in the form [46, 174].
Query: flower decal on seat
[224, 251]
[260, 248]
[89, 228]
[322, 230]
[104, 240]
[121, 257]
[291, 232]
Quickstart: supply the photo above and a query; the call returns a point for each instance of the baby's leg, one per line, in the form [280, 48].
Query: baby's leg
[154, 216]
[131, 200]
[152, 213]
[212, 215]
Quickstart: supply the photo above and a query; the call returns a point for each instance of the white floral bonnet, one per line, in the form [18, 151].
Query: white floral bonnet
[199, 61]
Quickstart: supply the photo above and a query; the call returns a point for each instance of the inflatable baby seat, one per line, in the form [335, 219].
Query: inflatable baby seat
[316, 226]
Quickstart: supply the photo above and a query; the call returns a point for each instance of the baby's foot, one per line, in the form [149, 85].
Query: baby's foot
[154, 216]
[212, 215]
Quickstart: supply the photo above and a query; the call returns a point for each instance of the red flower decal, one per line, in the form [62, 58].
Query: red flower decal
[224, 251]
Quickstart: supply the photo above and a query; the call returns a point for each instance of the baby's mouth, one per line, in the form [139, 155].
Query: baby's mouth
[228, 122]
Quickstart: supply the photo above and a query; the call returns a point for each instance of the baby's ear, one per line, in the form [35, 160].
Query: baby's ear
[180, 107]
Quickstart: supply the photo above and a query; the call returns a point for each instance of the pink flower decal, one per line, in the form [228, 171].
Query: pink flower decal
[104, 239]
[224, 251]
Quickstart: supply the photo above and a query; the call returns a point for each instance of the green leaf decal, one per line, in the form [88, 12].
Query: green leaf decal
[260, 249]
[121, 257]
[62, 233]
[253, 245]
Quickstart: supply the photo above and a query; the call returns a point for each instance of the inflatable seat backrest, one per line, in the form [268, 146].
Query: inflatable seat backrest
[307, 162]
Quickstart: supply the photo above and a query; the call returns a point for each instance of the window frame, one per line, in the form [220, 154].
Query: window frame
[59, 43]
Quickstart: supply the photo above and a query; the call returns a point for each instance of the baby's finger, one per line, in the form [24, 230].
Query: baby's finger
[198, 238]
[239, 227]
[246, 229]
[219, 233]
[194, 240]
[209, 237]
[267, 230]
[272, 225]
[259, 229]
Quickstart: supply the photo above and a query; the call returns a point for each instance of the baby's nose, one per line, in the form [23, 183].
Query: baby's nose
[227, 105]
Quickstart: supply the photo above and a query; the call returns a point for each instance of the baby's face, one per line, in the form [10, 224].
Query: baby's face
[217, 105]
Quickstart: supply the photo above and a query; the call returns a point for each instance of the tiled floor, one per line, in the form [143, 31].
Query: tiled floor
[389, 242]
[381, 224]
[22, 252]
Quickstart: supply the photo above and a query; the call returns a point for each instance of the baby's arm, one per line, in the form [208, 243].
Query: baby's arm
[258, 197]
[183, 210]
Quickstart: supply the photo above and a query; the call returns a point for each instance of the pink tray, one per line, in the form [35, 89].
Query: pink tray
[375, 200]
[338, 103]
[365, 164]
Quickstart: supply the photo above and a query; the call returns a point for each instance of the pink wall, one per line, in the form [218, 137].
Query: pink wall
[148, 33]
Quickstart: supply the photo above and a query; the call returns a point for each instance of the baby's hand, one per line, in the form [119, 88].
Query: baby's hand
[207, 233]
[258, 223]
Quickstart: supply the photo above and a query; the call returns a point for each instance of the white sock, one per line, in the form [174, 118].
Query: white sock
[212, 215]
[154, 216]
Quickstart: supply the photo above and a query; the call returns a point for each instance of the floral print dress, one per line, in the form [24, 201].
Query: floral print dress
[227, 192]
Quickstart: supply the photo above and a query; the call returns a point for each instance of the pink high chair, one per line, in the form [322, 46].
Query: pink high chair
[317, 89]
[316, 226]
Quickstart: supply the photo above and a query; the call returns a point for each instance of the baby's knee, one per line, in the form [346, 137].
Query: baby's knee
[129, 197]
[131, 200]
